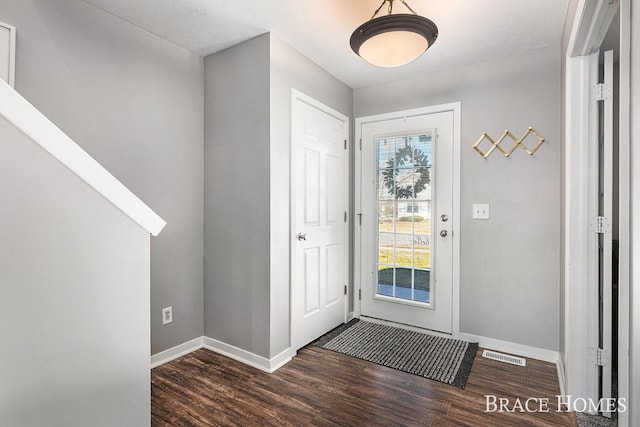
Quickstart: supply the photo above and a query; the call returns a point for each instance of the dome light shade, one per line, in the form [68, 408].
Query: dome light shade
[393, 40]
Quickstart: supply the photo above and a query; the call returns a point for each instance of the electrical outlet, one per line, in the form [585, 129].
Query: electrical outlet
[481, 211]
[167, 315]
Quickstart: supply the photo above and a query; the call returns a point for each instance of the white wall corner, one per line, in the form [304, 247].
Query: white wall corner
[175, 352]
[542, 354]
[248, 358]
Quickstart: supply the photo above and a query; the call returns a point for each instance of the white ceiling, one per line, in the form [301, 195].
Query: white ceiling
[469, 30]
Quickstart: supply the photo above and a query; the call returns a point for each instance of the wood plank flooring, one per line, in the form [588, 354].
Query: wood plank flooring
[322, 388]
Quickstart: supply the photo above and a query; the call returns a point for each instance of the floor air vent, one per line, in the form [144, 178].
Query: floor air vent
[507, 358]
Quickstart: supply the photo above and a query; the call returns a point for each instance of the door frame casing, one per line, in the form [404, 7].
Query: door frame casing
[297, 96]
[455, 108]
[579, 377]
[12, 53]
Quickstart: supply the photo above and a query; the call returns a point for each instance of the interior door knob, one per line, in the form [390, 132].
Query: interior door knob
[302, 236]
[443, 233]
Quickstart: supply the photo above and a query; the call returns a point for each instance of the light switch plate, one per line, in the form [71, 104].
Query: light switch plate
[480, 211]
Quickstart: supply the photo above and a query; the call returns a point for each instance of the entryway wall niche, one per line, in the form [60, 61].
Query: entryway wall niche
[247, 189]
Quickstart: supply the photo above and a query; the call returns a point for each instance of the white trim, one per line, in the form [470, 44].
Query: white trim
[561, 380]
[607, 195]
[12, 53]
[296, 95]
[25, 117]
[624, 279]
[357, 218]
[590, 26]
[228, 350]
[433, 109]
[542, 354]
[457, 196]
[279, 360]
[407, 327]
[577, 237]
[456, 108]
[581, 328]
[177, 351]
[591, 322]
[246, 357]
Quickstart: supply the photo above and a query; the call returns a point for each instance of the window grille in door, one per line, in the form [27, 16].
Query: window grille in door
[404, 206]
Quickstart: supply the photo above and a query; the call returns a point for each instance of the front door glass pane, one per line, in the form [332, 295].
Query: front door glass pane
[404, 205]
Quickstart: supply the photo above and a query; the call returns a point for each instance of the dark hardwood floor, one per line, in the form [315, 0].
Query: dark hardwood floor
[322, 388]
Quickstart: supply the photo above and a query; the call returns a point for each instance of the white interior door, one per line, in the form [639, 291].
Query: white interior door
[320, 231]
[407, 236]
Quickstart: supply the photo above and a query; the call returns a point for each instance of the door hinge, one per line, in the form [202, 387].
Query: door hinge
[599, 356]
[345, 144]
[601, 92]
[359, 219]
[359, 293]
[345, 289]
[345, 216]
[360, 144]
[600, 225]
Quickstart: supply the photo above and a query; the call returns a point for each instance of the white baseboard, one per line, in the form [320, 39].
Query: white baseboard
[561, 380]
[175, 352]
[246, 357]
[280, 360]
[350, 317]
[545, 355]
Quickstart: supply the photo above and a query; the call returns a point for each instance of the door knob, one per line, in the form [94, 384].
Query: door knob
[443, 233]
[302, 236]
[444, 218]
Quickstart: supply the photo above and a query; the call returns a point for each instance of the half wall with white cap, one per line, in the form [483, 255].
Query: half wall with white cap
[74, 281]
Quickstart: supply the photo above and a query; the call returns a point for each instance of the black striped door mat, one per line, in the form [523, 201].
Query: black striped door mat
[441, 359]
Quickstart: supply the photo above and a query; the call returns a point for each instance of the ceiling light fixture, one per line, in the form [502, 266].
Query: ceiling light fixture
[394, 39]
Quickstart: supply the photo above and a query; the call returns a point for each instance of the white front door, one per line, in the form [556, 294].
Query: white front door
[407, 243]
[319, 210]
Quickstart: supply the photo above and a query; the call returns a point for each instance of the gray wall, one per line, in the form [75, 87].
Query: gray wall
[74, 286]
[247, 183]
[290, 69]
[135, 103]
[509, 264]
[237, 211]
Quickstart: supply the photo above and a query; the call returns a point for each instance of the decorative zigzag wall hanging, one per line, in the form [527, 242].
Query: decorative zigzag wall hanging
[518, 142]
